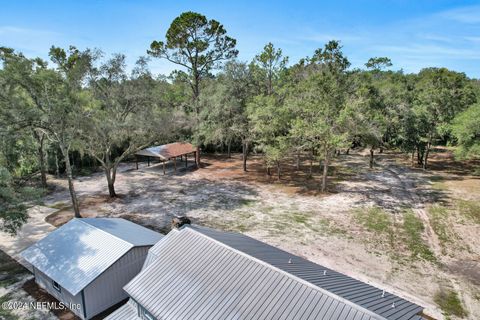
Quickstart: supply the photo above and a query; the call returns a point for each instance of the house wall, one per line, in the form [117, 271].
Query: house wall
[63, 295]
[107, 289]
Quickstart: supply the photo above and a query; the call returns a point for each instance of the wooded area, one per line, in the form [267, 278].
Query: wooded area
[85, 109]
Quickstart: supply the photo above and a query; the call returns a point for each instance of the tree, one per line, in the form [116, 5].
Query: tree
[17, 113]
[55, 99]
[368, 112]
[378, 63]
[466, 130]
[122, 119]
[198, 45]
[439, 95]
[224, 115]
[269, 126]
[319, 104]
[270, 63]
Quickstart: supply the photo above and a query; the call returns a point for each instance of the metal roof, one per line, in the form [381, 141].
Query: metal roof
[360, 293]
[167, 151]
[198, 277]
[76, 253]
[126, 312]
[126, 230]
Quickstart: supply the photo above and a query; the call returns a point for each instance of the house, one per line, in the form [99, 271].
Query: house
[200, 273]
[86, 262]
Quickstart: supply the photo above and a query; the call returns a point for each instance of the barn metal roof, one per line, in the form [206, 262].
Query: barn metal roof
[76, 253]
[198, 277]
[125, 230]
[360, 293]
[167, 151]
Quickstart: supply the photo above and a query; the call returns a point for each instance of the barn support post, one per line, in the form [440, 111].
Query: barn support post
[136, 161]
[186, 160]
[175, 164]
[148, 161]
[163, 162]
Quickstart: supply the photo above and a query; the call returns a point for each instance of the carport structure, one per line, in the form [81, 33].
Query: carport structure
[171, 151]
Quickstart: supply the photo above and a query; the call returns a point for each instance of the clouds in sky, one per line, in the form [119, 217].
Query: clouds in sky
[449, 38]
[441, 37]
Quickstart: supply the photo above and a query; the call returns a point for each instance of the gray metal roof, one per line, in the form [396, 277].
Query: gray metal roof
[76, 253]
[198, 277]
[353, 290]
[126, 312]
[126, 230]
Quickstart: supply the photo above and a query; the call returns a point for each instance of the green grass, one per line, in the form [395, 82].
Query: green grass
[59, 205]
[6, 313]
[298, 217]
[374, 219]
[11, 268]
[469, 209]
[247, 202]
[438, 220]
[413, 229]
[450, 303]
[438, 183]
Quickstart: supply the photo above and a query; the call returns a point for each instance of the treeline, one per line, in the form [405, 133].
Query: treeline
[86, 105]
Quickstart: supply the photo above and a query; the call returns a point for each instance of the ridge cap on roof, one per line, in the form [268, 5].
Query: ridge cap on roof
[85, 222]
[292, 276]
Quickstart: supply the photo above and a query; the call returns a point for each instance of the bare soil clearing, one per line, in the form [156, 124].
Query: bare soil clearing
[294, 216]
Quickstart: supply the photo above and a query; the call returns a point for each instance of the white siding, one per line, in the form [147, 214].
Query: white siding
[107, 289]
[64, 296]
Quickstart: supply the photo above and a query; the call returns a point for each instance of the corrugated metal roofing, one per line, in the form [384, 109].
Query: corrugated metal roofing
[198, 277]
[167, 151]
[358, 292]
[76, 253]
[126, 230]
[126, 312]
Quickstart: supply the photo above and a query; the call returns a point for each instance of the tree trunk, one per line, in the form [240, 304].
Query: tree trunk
[325, 172]
[110, 182]
[311, 167]
[41, 157]
[71, 188]
[278, 170]
[245, 153]
[371, 158]
[57, 166]
[348, 151]
[419, 155]
[425, 157]
[298, 161]
[229, 145]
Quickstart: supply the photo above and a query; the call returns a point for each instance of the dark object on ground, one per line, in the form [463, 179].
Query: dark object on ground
[177, 222]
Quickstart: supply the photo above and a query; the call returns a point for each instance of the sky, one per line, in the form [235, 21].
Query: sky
[413, 34]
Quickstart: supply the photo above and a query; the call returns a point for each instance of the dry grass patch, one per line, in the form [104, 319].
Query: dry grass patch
[469, 209]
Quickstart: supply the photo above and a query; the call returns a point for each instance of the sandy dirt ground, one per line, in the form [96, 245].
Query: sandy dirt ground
[293, 215]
